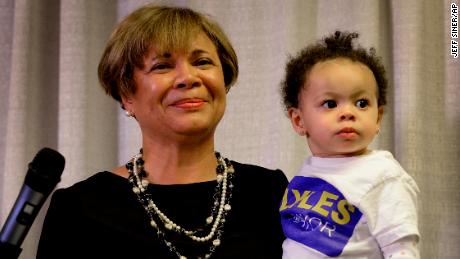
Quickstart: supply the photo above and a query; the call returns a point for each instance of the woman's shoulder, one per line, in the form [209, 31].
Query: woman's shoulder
[252, 182]
[254, 173]
[256, 169]
[98, 182]
[97, 192]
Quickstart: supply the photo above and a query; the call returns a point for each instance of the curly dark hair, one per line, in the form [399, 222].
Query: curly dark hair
[337, 45]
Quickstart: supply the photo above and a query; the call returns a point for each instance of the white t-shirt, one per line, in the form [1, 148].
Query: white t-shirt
[349, 207]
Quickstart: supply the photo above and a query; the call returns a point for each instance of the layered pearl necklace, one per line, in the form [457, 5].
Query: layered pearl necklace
[216, 220]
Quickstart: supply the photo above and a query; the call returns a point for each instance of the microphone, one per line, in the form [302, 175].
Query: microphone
[43, 175]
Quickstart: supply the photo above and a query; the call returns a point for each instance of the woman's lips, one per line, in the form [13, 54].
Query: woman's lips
[189, 103]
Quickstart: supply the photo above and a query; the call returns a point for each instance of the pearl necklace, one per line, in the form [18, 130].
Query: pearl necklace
[221, 206]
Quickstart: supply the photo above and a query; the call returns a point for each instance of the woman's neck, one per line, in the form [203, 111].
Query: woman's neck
[179, 163]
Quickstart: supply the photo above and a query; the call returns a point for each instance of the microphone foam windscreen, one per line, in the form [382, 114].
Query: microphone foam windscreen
[45, 170]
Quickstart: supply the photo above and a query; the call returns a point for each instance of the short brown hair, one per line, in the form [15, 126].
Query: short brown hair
[169, 28]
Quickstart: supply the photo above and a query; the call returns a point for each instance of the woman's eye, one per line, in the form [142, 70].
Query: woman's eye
[160, 66]
[203, 62]
[329, 104]
[362, 103]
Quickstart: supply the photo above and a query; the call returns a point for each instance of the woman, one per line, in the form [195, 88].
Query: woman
[170, 68]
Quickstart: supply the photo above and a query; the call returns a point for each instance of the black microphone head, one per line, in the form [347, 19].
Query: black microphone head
[45, 170]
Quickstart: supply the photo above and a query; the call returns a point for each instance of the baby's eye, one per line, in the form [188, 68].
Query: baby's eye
[329, 104]
[362, 103]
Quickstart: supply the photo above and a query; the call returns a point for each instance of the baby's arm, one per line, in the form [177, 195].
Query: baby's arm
[391, 209]
[405, 248]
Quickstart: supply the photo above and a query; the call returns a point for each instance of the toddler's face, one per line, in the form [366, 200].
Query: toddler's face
[338, 109]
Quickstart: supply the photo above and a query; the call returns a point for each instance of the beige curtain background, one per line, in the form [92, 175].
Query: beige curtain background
[49, 93]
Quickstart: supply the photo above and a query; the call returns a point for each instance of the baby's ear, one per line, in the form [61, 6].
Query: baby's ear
[297, 121]
[380, 115]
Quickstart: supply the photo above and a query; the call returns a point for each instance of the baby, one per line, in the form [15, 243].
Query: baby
[347, 201]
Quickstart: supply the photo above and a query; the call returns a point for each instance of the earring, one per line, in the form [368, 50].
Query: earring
[129, 113]
[378, 131]
[304, 133]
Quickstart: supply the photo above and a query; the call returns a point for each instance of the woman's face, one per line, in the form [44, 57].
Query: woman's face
[181, 93]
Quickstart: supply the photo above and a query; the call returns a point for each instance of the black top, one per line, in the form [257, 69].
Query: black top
[100, 217]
